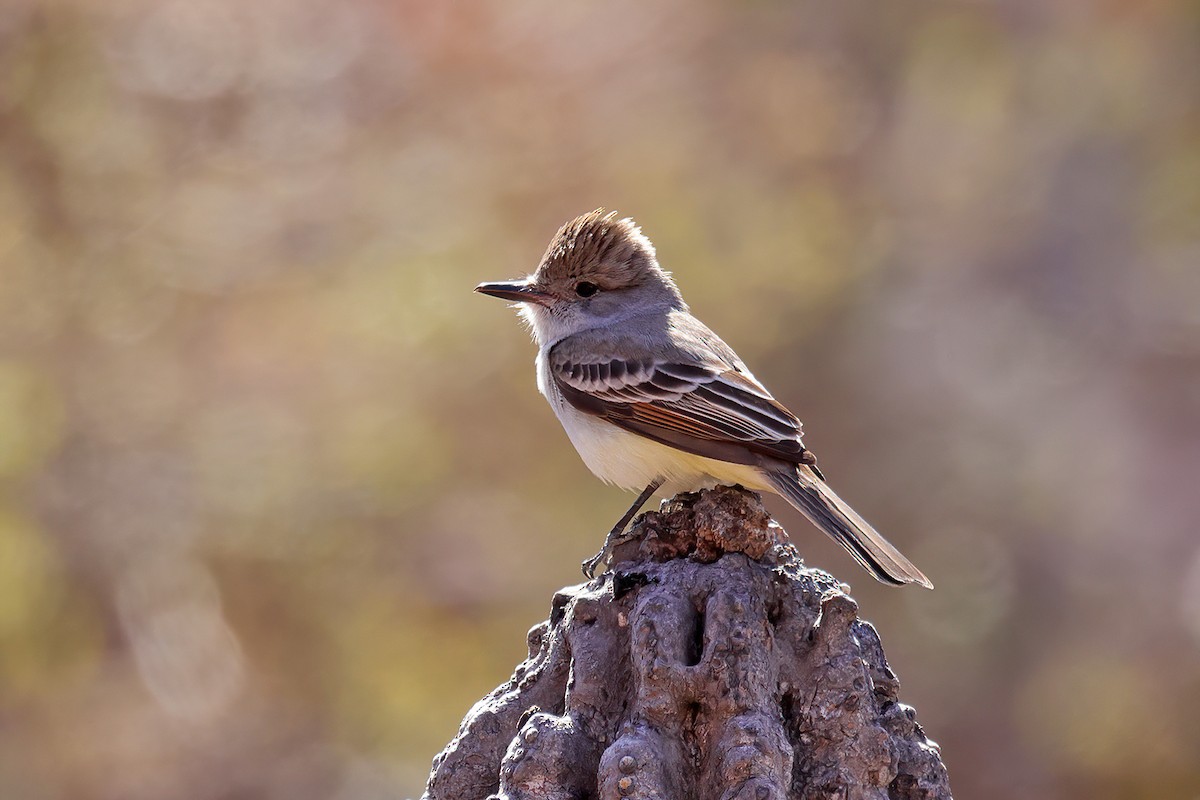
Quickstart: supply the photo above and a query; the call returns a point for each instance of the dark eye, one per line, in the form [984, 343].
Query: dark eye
[586, 289]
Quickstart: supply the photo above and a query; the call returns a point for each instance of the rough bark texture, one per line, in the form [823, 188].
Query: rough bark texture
[709, 663]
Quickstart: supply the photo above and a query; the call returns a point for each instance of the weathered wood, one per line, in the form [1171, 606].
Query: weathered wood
[708, 663]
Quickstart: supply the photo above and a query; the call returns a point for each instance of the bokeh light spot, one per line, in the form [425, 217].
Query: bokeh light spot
[184, 50]
[31, 417]
[1098, 713]
[975, 579]
[186, 653]
[27, 575]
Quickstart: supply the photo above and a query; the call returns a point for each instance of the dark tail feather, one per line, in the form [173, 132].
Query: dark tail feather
[813, 498]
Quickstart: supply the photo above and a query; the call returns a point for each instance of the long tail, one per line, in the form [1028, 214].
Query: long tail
[813, 498]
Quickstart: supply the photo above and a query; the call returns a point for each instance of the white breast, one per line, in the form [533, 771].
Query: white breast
[632, 462]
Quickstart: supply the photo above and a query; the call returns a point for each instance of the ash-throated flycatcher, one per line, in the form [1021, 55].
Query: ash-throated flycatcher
[652, 398]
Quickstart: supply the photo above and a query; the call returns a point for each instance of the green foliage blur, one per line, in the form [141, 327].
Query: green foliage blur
[279, 500]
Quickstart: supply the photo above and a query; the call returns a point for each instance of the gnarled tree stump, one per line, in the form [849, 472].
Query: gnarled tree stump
[708, 663]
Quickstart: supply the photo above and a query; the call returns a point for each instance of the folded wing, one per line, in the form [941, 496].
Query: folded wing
[710, 409]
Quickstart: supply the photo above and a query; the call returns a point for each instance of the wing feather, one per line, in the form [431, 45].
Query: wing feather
[710, 409]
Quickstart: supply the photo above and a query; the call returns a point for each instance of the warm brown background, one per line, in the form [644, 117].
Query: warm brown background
[278, 499]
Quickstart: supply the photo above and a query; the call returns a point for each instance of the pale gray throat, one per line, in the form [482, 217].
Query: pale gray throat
[632, 313]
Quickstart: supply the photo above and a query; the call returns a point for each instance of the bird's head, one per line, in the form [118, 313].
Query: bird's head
[597, 270]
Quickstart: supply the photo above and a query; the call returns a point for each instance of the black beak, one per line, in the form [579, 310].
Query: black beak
[517, 291]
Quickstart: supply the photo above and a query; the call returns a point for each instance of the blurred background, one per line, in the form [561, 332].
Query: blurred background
[279, 500]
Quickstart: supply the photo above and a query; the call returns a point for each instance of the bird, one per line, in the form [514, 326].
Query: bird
[652, 399]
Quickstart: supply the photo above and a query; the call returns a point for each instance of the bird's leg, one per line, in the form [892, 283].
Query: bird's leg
[617, 535]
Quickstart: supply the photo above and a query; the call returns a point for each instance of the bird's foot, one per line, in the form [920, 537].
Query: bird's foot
[615, 538]
[618, 535]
